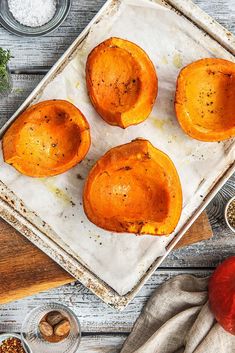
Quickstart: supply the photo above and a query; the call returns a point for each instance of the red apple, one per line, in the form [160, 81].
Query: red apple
[222, 294]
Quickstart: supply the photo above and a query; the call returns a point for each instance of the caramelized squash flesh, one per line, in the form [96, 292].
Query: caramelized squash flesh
[121, 82]
[205, 99]
[134, 188]
[47, 139]
[111, 65]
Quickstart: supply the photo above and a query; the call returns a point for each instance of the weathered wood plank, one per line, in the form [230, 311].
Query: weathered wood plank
[45, 51]
[102, 344]
[23, 85]
[222, 10]
[95, 316]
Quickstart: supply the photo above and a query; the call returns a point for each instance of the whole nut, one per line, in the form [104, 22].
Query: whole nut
[54, 317]
[45, 329]
[62, 328]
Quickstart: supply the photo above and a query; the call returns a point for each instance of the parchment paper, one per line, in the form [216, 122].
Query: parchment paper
[171, 42]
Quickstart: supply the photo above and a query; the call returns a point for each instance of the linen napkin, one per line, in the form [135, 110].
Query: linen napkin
[177, 319]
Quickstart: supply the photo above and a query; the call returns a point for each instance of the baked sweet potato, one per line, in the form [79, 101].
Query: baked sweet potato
[121, 81]
[47, 139]
[205, 99]
[134, 188]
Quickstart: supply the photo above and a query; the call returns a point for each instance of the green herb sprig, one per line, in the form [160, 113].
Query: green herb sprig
[5, 56]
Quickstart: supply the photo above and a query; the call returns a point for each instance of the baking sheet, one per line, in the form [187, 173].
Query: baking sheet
[171, 42]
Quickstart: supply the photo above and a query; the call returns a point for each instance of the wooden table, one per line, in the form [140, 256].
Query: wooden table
[104, 330]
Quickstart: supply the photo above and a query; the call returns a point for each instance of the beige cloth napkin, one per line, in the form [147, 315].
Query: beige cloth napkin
[177, 319]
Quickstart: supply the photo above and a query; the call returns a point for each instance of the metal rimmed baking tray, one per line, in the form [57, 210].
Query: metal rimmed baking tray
[34, 228]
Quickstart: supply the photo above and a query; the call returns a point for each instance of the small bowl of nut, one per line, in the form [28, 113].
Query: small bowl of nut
[51, 328]
[229, 214]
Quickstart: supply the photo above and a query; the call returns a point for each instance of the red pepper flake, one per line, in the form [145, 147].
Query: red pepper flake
[12, 345]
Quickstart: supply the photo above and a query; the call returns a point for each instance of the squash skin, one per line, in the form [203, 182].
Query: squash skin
[47, 139]
[123, 195]
[121, 81]
[206, 109]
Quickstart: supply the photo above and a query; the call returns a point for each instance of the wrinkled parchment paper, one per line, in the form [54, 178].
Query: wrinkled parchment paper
[171, 42]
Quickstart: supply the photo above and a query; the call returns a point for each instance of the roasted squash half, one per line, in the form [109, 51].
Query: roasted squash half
[121, 81]
[205, 99]
[47, 139]
[134, 188]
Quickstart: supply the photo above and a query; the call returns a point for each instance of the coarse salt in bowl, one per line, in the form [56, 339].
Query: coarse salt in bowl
[32, 13]
[33, 18]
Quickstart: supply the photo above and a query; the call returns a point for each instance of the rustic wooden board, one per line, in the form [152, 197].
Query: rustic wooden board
[32, 271]
[200, 230]
[29, 269]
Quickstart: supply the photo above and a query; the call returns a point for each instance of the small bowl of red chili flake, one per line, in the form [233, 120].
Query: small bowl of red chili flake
[229, 214]
[11, 343]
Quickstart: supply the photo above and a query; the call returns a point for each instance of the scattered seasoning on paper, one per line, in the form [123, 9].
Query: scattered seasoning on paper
[32, 13]
[177, 61]
[231, 214]
[12, 345]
